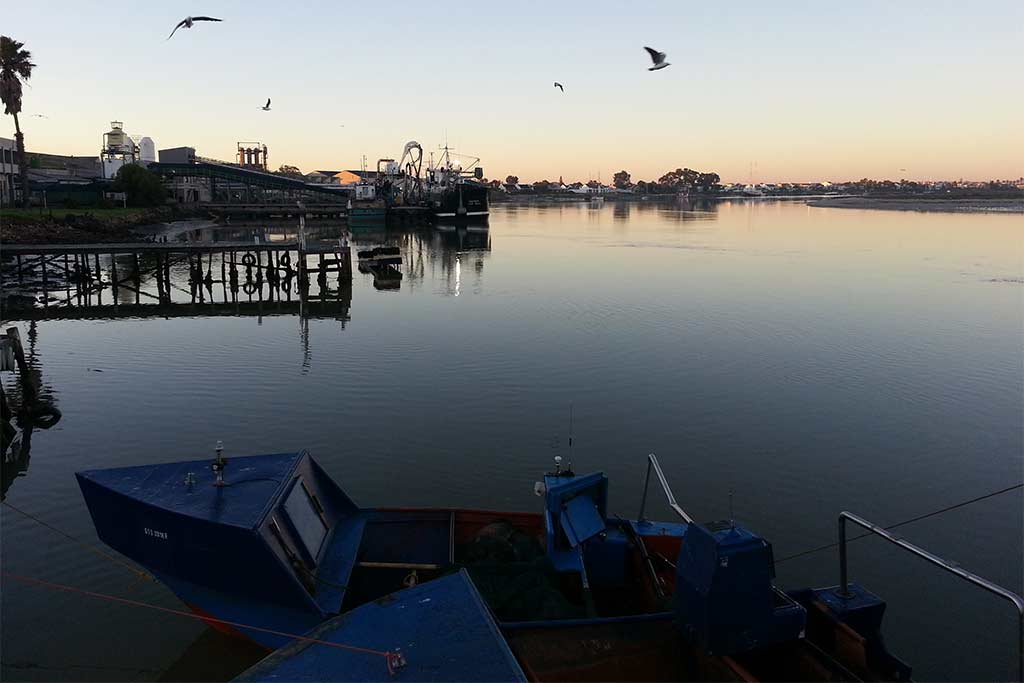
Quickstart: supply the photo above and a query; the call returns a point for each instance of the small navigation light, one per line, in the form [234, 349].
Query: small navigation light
[558, 464]
[219, 464]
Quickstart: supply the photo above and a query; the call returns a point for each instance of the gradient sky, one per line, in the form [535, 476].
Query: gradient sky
[797, 91]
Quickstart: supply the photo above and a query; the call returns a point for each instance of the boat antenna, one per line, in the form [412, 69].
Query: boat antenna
[732, 519]
[570, 436]
[219, 464]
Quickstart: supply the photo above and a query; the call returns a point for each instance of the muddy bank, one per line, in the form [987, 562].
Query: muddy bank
[83, 226]
[1005, 205]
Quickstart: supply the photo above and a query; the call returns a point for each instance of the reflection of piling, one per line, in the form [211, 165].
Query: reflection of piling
[28, 385]
[33, 412]
[7, 430]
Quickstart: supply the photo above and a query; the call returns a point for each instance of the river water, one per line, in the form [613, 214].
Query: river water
[784, 362]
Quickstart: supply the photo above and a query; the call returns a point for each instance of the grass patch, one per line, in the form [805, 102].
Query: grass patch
[36, 212]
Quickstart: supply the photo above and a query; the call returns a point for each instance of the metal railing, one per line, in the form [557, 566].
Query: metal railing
[652, 461]
[949, 566]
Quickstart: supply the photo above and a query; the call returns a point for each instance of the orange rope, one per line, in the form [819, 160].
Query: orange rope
[91, 548]
[394, 659]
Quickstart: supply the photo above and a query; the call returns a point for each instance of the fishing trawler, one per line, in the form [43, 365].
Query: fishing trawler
[270, 547]
[454, 192]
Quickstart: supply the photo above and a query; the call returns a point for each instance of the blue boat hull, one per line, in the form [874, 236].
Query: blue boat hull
[247, 552]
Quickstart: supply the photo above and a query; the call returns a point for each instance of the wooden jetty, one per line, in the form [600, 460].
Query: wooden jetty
[241, 269]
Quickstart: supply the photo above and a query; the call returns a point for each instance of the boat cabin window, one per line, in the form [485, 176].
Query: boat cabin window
[303, 515]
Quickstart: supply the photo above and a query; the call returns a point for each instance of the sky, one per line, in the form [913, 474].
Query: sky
[757, 92]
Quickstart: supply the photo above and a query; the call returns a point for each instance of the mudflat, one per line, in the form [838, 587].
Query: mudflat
[949, 205]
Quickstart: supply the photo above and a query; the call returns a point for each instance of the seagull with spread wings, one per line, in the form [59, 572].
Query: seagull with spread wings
[188, 21]
[657, 57]
[266, 107]
[559, 86]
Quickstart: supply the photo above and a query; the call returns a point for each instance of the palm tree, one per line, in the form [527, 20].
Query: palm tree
[15, 67]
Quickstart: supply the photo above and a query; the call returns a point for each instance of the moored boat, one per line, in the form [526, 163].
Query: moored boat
[272, 542]
[454, 193]
[437, 631]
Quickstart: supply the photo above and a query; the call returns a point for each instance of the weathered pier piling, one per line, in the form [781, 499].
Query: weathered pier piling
[75, 271]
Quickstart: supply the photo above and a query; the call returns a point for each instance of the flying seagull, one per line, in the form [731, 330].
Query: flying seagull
[559, 86]
[657, 57]
[39, 116]
[188, 21]
[266, 107]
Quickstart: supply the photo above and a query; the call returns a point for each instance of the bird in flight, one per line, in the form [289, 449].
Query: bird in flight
[39, 116]
[188, 21]
[657, 57]
[266, 107]
[559, 86]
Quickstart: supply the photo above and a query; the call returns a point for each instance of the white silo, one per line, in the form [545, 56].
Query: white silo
[147, 150]
[118, 149]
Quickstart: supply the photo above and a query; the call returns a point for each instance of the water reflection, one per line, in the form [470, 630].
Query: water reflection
[769, 350]
[30, 404]
[263, 232]
[440, 253]
[213, 656]
[231, 280]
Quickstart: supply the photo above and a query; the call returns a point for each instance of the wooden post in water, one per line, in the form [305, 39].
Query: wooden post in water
[46, 295]
[67, 279]
[160, 277]
[20, 276]
[78, 282]
[113, 275]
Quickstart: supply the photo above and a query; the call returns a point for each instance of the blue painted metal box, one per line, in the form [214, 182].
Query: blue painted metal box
[725, 597]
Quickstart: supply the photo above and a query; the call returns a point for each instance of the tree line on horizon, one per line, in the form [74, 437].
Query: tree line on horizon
[679, 180]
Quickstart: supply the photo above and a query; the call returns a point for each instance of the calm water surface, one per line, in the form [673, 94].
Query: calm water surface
[806, 360]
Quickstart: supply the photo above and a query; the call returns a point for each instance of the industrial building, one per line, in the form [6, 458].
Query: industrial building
[178, 155]
[184, 188]
[9, 169]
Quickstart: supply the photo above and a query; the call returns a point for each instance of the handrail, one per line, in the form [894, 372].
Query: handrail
[653, 460]
[949, 566]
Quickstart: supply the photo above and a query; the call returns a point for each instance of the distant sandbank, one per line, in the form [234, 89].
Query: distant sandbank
[951, 205]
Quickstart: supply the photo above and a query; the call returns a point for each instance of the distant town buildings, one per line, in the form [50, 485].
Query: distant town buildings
[54, 175]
